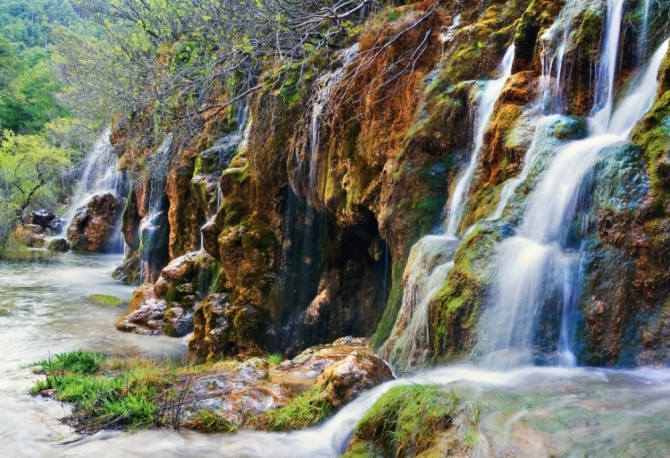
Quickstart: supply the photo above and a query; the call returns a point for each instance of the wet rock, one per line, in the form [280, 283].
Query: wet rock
[145, 313]
[304, 369]
[129, 270]
[178, 322]
[59, 244]
[93, 225]
[234, 394]
[47, 220]
[358, 372]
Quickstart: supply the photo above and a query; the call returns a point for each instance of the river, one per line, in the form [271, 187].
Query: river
[533, 412]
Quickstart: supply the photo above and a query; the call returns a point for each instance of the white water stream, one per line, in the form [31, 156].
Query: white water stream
[99, 175]
[539, 258]
[528, 412]
[492, 90]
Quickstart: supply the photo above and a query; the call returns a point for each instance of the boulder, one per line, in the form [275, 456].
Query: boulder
[234, 394]
[47, 220]
[93, 225]
[145, 313]
[59, 244]
[303, 370]
[347, 379]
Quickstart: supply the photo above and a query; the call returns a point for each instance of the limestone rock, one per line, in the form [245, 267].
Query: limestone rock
[93, 226]
[358, 372]
[304, 369]
[145, 313]
[235, 394]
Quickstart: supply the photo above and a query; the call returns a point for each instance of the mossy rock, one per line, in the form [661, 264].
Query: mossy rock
[415, 420]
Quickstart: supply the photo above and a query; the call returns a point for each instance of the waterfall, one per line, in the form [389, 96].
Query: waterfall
[644, 32]
[431, 259]
[555, 41]
[489, 97]
[99, 175]
[542, 130]
[604, 93]
[540, 268]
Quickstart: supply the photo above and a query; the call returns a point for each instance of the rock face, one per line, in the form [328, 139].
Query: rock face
[31, 235]
[318, 214]
[303, 370]
[93, 226]
[358, 372]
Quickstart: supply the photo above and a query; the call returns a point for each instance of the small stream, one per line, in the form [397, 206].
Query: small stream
[532, 412]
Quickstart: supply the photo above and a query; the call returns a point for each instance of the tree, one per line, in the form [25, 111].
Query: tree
[31, 172]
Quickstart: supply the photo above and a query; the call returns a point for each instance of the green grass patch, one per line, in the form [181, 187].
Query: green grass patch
[305, 410]
[77, 361]
[105, 299]
[275, 359]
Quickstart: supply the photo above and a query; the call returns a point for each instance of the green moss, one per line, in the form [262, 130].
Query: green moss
[652, 135]
[458, 303]
[105, 299]
[406, 420]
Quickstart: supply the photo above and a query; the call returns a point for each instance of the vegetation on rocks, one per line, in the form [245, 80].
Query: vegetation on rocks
[416, 420]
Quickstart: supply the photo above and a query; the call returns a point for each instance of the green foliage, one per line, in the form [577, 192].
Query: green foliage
[76, 361]
[307, 409]
[105, 299]
[108, 393]
[275, 359]
[31, 173]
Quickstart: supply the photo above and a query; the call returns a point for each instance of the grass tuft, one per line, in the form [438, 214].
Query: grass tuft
[305, 410]
[76, 361]
[275, 359]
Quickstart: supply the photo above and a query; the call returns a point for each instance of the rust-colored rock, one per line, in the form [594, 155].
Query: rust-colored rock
[359, 372]
[93, 226]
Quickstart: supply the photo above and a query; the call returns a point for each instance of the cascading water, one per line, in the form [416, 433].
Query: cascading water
[492, 90]
[154, 226]
[99, 175]
[604, 92]
[540, 268]
[555, 41]
[644, 31]
[432, 257]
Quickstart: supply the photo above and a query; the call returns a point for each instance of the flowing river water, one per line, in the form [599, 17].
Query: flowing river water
[45, 309]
